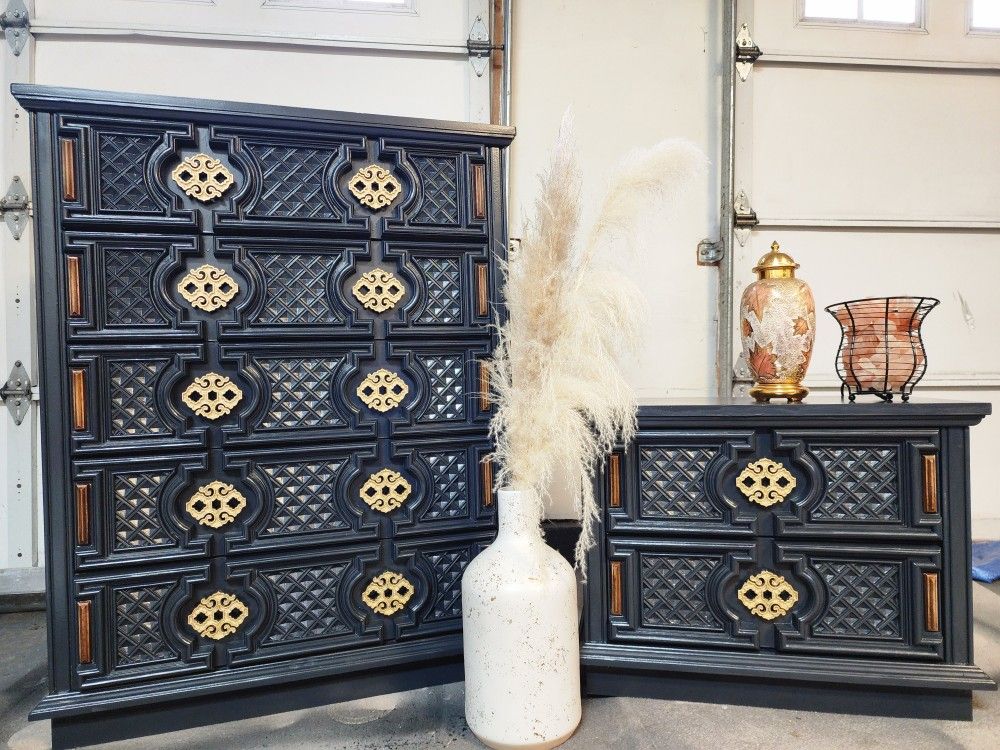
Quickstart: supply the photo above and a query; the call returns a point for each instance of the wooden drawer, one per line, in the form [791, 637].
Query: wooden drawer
[780, 482]
[176, 173]
[832, 599]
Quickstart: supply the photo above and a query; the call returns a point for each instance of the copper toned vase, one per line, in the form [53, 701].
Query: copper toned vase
[778, 327]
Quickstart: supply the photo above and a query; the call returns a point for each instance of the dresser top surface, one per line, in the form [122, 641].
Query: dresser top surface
[116, 103]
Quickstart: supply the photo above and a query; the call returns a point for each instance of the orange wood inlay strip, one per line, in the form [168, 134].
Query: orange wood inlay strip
[67, 150]
[487, 471]
[496, 63]
[616, 587]
[75, 301]
[930, 484]
[79, 400]
[615, 480]
[932, 613]
[479, 191]
[83, 632]
[484, 387]
[482, 289]
[82, 513]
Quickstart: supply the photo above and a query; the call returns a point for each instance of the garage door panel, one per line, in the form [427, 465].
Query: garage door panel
[830, 144]
[959, 334]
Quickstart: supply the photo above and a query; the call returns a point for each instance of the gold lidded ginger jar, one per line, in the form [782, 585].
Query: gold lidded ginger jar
[777, 327]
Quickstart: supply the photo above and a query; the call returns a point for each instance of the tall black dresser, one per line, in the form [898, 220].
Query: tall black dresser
[263, 409]
[810, 556]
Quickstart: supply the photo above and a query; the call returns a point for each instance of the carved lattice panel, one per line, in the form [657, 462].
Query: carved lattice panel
[132, 397]
[136, 506]
[128, 287]
[292, 179]
[450, 489]
[304, 497]
[864, 599]
[439, 188]
[442, 290]
[122, 184]
[862, 484]
[301, 393]
[675, 592]
[446, 375]
[296, 288]
[138, 635]
[448, 567]
[307, 604]
[672, 483]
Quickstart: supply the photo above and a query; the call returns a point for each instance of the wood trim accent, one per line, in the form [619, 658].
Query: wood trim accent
[932, 611]
[497, 41]
[79, 397]
[486, 469]
[930, 484]
[83, 632]
[616, 587]
[73, 290]
[478, 191]
[484, 387]
[482, 289]
[82, 495]
[615, 480]
[67, 154]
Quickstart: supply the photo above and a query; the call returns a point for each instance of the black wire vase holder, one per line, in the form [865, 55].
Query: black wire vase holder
[881, 351]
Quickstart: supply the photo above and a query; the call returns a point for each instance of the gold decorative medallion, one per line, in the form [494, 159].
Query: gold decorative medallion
[385, 490]
[374, 186]
[378, 290]
[765, 482]
[218, 615]
[388, 593]
[212, 395]
[383, 390]
[215, 504]
[208, 288]
[767, 595]
[202, 177]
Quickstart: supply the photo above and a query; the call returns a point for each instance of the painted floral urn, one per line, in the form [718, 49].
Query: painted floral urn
[778, 327]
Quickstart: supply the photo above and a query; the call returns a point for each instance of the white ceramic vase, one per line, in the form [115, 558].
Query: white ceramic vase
[521, 635]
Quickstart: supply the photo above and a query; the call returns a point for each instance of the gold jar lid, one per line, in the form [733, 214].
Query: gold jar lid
[775, 265]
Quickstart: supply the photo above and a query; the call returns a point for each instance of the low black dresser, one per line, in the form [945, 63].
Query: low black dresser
[810, 556]
[261, 342]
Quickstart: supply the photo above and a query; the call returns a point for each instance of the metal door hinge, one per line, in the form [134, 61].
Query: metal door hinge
[746, 52]
[14, 22]
[479, 46]
[16, 392]
[14, 207]
[710, 252]
[744, 217]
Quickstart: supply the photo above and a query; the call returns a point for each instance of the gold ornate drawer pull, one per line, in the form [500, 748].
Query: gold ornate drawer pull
[378, 290]
[388, 593]
[218, 615]
[215, 504]
[767, 595]
[202, 177]
[208, 288]
[212, 395]
[382, 390]
[374, 186]
[385, 490]
[765, 482]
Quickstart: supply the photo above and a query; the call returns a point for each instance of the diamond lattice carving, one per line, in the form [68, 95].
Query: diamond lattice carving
[208, 288]
[675, 592]
[307, 603]
[215, 504]
[137, 626]
[301, 394]
[292, 181]
[448, 568]
[861, 484]
[767, 595]
[382, 390]
[446, 376]
[202, 177]
[451, 485]
[218, 615]
[385, 491]
[388, 593]
[212, 395]
[374, 186]
[137, 512]
[672, 483]
[132, 387]
[128, 288]
[443, 289]
[765, 482]
[304, 497]
[863, 599]
[378, 290]
[295, 285]
[122, 172]
[439, 181]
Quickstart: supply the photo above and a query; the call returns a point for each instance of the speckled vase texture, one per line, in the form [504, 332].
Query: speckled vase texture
[521, 635]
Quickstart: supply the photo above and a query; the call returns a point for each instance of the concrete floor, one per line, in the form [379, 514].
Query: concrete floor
[432, 717]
